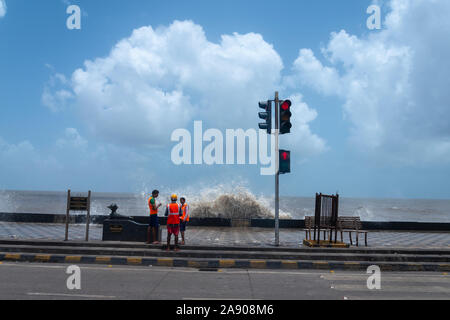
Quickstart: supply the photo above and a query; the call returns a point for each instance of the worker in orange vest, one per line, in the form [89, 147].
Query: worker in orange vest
[173, 213]
[184, 217]
[153, 227]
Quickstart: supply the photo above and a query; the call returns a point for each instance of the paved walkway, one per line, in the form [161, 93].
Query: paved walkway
[228, 236]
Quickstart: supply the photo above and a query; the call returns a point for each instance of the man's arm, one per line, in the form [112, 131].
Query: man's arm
[152, 203]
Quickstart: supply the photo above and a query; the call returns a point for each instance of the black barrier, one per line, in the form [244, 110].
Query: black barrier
[195, 222]
[125, 230]
[221, 222]
[270, 223]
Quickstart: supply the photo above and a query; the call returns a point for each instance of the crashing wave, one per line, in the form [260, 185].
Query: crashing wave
[227, 201]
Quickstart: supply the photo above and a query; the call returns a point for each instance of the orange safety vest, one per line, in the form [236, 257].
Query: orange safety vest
[174, 213]
[152, 211]
[184, 218]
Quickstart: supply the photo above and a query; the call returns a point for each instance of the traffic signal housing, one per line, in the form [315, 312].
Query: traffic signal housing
[285, 162]
[267, 116]
[285, 117]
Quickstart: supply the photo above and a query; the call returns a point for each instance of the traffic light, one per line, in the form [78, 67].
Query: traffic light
[285, 161]
[285, 116]
[266, 105]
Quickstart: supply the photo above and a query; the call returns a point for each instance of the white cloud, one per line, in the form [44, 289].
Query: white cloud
[72, 139]
[161, 79]
[2, 8]
[394, 83]
[55, 96]
[22, 158]
[302, 140]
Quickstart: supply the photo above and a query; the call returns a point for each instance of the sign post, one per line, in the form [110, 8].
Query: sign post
[277, 173]
[78, 204]
[282, 126]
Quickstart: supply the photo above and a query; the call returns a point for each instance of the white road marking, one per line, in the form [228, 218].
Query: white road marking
[70, 295]
[235, 299]
[410, 289]
[388, 278]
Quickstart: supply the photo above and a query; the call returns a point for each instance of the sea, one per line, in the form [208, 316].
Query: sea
[234, 203]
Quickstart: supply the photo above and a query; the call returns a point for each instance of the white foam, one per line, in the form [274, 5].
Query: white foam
[230, 200]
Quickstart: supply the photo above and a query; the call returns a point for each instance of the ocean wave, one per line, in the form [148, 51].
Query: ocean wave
[232, 201]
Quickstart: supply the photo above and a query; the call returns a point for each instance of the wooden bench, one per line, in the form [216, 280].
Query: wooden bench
[351, 224]
[309, 225]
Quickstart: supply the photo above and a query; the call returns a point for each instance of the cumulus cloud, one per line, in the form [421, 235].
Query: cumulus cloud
[72, 139]
[158, 80]
[55, 96]
[394, 83]
[305, 143]
[23, 159]
[2, 8]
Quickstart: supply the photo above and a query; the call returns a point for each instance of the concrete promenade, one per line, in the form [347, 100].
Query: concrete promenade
[218, 248]
[215, 236]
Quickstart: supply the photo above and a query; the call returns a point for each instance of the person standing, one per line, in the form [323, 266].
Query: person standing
[173, 213]
[184, 218]
[153, 228]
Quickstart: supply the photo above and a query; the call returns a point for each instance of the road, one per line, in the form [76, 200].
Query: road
[49, 281]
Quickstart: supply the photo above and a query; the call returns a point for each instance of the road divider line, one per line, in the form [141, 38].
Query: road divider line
[72, 259]
[197, 264]
[134, 261]
[258, 264]
[12, 256]
[165, 262]
[289, 264]
[321, 265]
[102, 259]
[227, 263]
[42, 258]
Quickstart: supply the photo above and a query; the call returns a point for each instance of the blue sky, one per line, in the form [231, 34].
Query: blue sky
[371, 107]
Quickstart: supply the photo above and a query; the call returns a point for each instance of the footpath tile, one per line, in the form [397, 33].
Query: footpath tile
[227, 236]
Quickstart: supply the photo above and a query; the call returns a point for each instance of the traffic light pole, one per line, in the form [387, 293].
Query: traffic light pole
[277, 172]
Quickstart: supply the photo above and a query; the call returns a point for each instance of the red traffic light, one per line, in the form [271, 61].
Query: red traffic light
[285, 161]
[286, 105]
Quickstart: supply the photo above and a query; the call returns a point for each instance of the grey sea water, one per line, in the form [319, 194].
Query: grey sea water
[240, 203]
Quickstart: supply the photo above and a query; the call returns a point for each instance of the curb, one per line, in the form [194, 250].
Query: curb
[221, 263]
[141, 245]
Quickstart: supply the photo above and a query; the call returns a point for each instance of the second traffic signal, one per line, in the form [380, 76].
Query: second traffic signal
[266, 105]
[285, 162]
[285, 116]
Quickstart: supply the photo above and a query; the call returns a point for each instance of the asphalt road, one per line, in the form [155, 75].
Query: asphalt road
[49, 281]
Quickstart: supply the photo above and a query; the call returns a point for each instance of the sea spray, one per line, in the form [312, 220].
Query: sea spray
[228, 201]
[7, 203]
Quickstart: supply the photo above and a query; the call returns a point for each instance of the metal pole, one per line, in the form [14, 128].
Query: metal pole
[277, 172]
[67, 216]
[88, 215]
